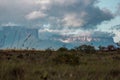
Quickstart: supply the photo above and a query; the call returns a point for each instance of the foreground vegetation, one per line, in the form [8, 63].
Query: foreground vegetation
[59, 65]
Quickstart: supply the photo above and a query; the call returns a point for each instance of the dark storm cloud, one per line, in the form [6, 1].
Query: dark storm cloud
[76, 14]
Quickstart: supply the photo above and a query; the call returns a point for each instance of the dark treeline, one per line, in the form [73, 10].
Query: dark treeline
[82, 48]
[87, 49]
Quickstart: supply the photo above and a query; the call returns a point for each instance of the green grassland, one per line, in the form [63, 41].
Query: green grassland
[59, 65]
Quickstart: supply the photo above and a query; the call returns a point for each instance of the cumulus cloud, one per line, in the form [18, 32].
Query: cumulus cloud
[76, 36]
[116, 30]
[77, 13]
[59, 13]
[35, 15]
[74, 20]
[117, 36]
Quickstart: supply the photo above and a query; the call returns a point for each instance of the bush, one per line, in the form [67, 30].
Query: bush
[62, 49]
[86, 49]
[17, 73]
[49, 50]
[64, 58]
[111, 47]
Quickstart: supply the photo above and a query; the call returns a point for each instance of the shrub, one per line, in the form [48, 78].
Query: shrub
[17, 73]
[62, 49]
[86, 49]
[111, 47]
[49, 50]
[64, 58]
[20, 56]
[102, 48]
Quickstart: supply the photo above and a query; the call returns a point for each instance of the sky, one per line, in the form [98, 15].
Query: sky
[71, 18]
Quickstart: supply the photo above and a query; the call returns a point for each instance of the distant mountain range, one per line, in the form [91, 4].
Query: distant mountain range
[28, 38]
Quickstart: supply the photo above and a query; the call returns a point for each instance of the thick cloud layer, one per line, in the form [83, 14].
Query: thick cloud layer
[58, 13]
[66, 21]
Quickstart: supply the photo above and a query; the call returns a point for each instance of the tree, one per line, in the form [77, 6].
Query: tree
[62, 49]
[86, 49]
[111, 47]
[102, 48]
